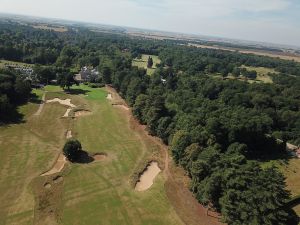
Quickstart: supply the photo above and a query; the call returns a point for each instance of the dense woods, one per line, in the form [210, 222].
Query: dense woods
[14, 90]
[218, 130]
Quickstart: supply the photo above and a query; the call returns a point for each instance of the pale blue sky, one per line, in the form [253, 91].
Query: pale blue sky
[275, 21]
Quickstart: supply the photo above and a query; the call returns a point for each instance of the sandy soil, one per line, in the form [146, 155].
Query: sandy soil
[66, 102]
[58, 179]
[147, 178]
[99, 156]
[122, 107]
[41, 105]
[109, 96]
[291, 147]
[58, 166]
[67, 113]
[69, 134]
[82, 113]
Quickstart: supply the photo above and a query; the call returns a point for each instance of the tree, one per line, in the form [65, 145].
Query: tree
[66, 80]
[106, 73]
[179, 142]
[22, 89]
[150, 62]
[71, 149]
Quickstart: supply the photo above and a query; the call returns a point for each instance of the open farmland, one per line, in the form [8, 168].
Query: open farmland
[50, 28]
[263, 73]
[284, 56]
[142, 63]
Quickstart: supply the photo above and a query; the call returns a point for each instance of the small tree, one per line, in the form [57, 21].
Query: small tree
[71, 149]
[150, 62]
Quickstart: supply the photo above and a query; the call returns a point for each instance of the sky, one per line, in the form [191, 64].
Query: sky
[273, 21]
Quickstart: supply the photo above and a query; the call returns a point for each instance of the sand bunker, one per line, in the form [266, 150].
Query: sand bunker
[58, 166]
[69, 134]
[47, 185]
[99, 156]
[67, 113]
[146, 179]
[109, 96]
[58, 179]
[81, 113]
[66, 102]
[121, 106]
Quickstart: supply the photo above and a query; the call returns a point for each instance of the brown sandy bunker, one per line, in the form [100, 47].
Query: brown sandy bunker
[147, 178]
[58, 166]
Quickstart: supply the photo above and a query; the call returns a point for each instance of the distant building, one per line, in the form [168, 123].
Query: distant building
[21, 69]
[86, 74]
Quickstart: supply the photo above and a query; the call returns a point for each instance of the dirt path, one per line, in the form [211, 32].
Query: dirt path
[183, 201]
[41, 105]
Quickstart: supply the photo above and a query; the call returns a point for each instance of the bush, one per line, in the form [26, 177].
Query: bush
[96, 85]
[71, 149]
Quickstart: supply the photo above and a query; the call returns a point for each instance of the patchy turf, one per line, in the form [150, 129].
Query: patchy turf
[142, 63]
[263, 73]
[95, 193]
[290, 167]
[4, 63]
[102, 193]
[27, 149]
[51, 28]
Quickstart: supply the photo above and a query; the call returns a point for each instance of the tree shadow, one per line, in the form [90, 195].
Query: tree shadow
[12, 117]
[83, 157]
[77, 92]
[34, 99]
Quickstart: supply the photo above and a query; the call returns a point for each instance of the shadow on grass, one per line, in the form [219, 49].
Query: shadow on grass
[293, 218]
[35, 99]
[82, 157]
[11, 117]
[77, 92]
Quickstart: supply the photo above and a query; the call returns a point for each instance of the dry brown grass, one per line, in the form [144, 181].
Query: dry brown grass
[284, 56]
[51, 28]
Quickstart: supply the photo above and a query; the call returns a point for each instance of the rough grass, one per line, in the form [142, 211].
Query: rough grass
[101, 193]
[262, 73]
[27, 149]
[142, 63]
[290, 167]
[51, 28]
[4, 63]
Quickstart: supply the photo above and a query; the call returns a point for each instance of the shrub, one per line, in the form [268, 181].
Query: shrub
[96, 85]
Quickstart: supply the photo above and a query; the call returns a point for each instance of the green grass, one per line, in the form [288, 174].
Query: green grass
[262, 74]
[96, 193]
[100, 193]
[142, 63]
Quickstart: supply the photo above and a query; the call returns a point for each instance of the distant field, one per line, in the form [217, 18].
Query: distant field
[142, 63]
[51, 28]
[255, 52]
[13, 63]
[262, 73]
